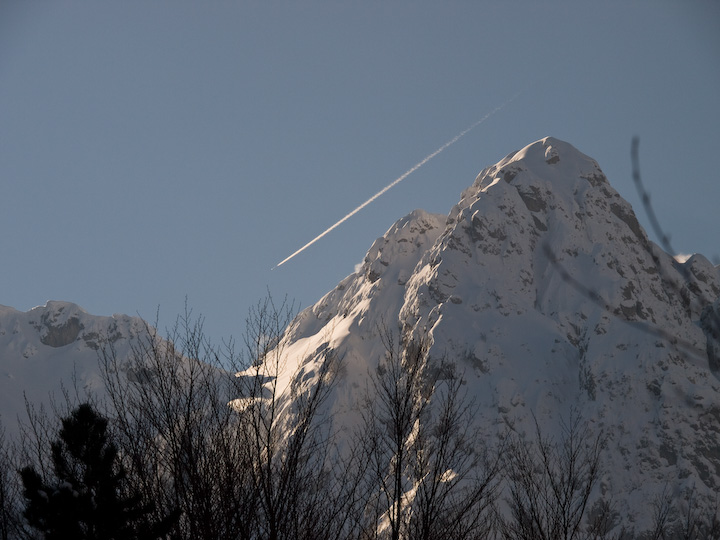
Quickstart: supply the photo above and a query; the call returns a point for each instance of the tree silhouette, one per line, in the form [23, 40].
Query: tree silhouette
[86, 496]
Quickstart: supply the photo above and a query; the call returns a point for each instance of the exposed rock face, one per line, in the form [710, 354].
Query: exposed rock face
[61, 335]
[57, 328]
[710, 324]
[544, 289]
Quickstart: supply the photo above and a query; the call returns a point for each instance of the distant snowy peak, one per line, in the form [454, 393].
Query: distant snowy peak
[56, 346]
[59, 324]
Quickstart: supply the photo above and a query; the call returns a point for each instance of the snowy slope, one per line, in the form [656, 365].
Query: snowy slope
[541, 286]
[52, 347]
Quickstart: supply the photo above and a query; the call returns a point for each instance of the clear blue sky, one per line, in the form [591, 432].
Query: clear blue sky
[151, 151]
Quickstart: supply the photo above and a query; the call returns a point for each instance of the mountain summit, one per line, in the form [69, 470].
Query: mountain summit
[541, 287]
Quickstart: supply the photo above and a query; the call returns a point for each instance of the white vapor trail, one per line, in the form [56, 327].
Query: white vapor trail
[399, 179]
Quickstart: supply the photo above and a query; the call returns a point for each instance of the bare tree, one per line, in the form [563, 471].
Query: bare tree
[11, 525]
[168, 404]
[236, 444]
[455, 473]
[550, 484]
[683, 517]
[428, 475]
[283, 430]
[397, 399]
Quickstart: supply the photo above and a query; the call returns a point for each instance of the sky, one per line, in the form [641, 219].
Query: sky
[153, 153]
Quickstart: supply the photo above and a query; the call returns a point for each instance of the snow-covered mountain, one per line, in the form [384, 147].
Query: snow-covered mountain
[544, 290]
[55, 347]
[539, 285]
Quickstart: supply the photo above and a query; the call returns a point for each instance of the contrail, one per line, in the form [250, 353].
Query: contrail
[399, 179]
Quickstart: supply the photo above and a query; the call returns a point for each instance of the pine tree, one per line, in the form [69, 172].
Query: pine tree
[87, 497]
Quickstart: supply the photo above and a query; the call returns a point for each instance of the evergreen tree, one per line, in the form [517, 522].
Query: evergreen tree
[87, 497]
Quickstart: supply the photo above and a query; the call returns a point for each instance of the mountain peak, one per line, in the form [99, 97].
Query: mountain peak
[549, 158]
[546, 293]
[550, 151]
[547, 161]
